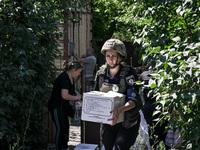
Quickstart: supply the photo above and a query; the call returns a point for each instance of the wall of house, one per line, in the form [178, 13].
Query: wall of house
[77, 39]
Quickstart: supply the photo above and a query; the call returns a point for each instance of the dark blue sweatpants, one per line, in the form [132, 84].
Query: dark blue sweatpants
[61, 122]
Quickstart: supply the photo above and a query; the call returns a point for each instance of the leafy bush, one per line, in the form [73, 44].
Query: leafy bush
[167, 32]
[170, 37]
[28, 47]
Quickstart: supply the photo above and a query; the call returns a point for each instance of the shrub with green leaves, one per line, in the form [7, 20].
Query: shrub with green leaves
[169, 34]
[28, 47]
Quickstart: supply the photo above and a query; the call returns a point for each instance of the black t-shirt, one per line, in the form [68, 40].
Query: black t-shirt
[56, 100]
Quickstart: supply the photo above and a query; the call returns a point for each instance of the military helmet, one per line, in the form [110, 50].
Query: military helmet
[114, 45]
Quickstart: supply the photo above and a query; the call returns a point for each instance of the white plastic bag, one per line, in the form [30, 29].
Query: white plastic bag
[142, 139]
[173, 139]
[78, 106]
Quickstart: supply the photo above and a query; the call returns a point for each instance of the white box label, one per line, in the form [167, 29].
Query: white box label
[97, 106]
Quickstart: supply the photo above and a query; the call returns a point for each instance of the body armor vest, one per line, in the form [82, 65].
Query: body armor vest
[105, 87]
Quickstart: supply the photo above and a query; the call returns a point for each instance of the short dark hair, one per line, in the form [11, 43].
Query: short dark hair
[74, 65]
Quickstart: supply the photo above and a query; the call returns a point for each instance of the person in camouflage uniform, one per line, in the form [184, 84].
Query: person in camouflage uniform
[113, 76]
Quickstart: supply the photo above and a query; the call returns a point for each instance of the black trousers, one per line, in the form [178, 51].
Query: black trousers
[61, 122]
[117, 137]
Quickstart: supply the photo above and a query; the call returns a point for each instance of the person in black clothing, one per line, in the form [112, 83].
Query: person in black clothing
[156, 130]
[64, 91]
[116, 77]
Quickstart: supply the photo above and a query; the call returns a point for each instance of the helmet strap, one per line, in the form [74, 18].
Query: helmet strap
[115, 65]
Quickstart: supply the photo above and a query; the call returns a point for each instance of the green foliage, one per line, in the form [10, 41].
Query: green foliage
[110, 20]
[28, 47]
[170, 37]
[167, 32]
[107, 20]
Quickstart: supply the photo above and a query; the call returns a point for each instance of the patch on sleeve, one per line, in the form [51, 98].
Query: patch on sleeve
[115, 88]
[133, 94]
[130, 80]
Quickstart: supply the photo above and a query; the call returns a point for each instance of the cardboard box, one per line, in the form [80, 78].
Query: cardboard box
[83, 146]
[97, 106]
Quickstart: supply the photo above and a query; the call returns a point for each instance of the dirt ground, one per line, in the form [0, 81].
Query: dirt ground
[75, 134]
